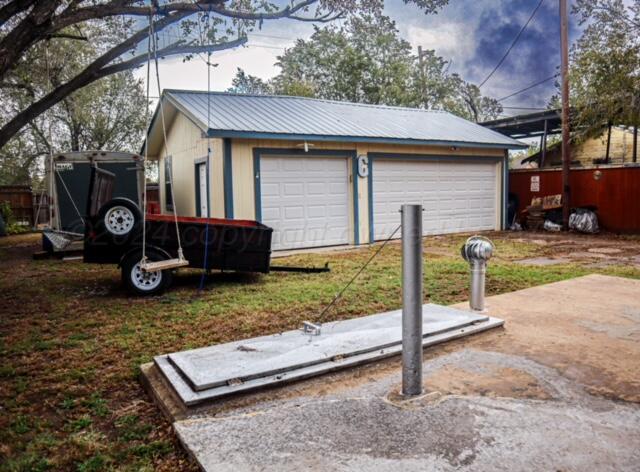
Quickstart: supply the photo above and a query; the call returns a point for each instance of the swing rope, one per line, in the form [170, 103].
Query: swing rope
[36, 220]
[181, 261]
[207, 164]
[146, 149]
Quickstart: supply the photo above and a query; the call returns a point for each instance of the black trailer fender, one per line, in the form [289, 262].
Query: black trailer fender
[138, 248]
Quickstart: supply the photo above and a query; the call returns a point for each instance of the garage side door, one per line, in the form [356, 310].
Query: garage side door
[456, 196]
[305, 200]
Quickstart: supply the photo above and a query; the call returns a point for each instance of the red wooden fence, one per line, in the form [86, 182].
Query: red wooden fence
[614, 191]
[20, 200]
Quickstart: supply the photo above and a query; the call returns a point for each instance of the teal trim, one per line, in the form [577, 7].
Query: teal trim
[370, 190]
[197, 163]
[221, 133]
[505, 191]
[431, 157]
[197, 187]
[257, 152]
[228, 178]
[356, 205]
[257, 195]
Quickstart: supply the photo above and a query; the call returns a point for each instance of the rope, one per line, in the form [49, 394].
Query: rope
[166, 144]
[207, 165]
[146, 149]
[51, 176]
[339, 295]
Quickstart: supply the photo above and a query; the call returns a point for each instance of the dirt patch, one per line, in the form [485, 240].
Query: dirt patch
[490, 382]
[555, 325]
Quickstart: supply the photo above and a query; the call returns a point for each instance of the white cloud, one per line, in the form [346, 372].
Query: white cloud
[450, 40]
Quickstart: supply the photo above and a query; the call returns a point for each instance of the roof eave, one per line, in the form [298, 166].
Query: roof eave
[221, 133]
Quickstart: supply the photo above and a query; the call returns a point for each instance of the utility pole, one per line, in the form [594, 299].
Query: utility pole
[566, 151]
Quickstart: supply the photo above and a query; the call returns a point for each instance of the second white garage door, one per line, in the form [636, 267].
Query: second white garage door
[305, 200]
[456, 196]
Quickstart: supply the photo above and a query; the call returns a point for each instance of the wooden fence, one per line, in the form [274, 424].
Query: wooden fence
[24, 204]
[614, 191]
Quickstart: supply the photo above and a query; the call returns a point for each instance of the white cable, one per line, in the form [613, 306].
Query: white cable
[166, 144]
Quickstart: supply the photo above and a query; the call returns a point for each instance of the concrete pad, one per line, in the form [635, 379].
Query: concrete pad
[244, 360]
[543, 261]
[208, 373]
[605, 250]
[557, 389]
[360, 429]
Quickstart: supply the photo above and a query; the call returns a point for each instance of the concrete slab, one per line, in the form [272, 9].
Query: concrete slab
[361, 429]
[190, 397]
[213, 372]
[543, 261]
[556, 390]
[265, 356]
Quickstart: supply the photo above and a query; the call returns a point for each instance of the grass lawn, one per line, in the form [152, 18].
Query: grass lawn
[71, 340]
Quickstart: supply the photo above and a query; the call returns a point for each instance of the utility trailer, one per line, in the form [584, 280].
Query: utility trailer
[67, 178]
[115, 234]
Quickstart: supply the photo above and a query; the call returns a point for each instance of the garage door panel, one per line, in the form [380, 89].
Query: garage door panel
[312, 200]
[455, 196]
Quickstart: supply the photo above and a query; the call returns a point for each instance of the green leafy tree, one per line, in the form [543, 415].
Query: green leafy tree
[249, 84]
[25, 24]
[605, 65]
[366, 61]
[108, 114]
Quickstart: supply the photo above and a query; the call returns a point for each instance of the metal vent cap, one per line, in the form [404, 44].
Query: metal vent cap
[477, 248]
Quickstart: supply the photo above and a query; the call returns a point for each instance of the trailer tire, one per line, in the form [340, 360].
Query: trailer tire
[143, 283]
[120, 218]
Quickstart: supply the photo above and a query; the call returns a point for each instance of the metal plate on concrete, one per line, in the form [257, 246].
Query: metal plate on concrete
[211, 372]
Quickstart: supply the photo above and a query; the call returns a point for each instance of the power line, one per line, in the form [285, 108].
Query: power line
[524, 108]
[529, 87]
[512, 44]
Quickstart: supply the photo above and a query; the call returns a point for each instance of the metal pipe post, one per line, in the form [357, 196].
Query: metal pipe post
[411, 300]
[478, 273]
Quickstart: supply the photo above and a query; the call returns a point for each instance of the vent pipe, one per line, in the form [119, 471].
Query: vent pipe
[477, 251]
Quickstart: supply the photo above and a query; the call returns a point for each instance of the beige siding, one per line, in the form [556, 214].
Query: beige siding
[620, 152]
[621, 149]
[185, 145]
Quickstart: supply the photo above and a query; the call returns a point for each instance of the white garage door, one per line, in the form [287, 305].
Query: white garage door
[305, 200]
[456, 196]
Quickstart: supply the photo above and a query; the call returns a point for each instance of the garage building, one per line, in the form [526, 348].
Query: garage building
[325, 173]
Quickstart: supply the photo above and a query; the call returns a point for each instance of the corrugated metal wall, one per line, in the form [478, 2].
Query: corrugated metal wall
[615, 192]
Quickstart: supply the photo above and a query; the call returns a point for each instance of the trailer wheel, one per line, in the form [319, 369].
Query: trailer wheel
[119, 217]
[140, 282]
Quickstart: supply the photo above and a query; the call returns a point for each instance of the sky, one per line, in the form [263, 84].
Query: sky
[473, 34]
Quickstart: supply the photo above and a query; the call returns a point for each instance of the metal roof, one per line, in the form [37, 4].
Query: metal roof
[529, 125]
[281, 117]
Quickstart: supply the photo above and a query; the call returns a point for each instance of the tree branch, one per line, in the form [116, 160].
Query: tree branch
[13, 8]
[96, 70]
[174, 49]
[67, 36]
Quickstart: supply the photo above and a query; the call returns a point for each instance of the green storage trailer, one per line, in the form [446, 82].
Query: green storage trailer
[69, 186]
